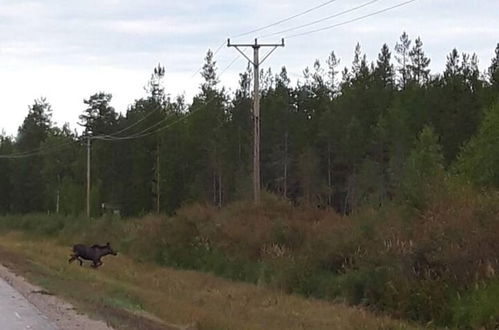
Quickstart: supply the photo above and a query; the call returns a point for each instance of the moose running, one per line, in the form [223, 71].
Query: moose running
[94, 253]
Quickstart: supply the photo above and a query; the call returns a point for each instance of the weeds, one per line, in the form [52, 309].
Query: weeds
[410, 263]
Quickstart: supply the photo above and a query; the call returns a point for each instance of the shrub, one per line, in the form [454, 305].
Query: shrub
[412, 264]
[477, 307]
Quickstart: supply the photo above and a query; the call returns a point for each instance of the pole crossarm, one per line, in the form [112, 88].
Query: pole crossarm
[256, 44]
[240, 51]
[268, 54]
[256, 106]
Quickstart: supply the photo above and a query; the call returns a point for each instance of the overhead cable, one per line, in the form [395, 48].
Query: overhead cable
[320, 20]
[285, 19]
[350, 21]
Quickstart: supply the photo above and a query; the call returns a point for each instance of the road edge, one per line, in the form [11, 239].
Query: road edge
[59, 312]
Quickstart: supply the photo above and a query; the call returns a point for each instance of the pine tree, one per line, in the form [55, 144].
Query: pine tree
[360, 70]
[36, 125]
[62, 172]
[357, 57]
[27, 182]
[402, 49]
[419, 63]
[99, 117]
[424, 170]
[384, 69]
[207, 141]
[455, 103]
[155, 86]
[239, 131]
[277, 135]
[209, 72]
[333, 63]
[6, 171]
[453, 66]
[479, 158]
[493, 70]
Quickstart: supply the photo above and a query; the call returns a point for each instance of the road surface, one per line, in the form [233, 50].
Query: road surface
[16, 313]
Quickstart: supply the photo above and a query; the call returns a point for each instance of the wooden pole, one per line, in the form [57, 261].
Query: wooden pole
[88, 177]
[256, 107]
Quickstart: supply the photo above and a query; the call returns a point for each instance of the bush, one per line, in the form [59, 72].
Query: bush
[477, 307]
[412, 264]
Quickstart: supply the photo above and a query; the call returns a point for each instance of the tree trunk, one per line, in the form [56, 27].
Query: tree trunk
[329, 175]
[220, 190]
[285, 176]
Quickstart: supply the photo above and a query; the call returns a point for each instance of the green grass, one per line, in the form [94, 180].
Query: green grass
[410, 264]
[132, 295]
[478, 306]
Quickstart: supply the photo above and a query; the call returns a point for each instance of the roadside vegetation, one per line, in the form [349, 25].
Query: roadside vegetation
[136, 295]
[381, 183]
[435, 265]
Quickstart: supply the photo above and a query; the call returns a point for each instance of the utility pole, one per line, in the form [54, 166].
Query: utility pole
[256, 105]
[88, 176]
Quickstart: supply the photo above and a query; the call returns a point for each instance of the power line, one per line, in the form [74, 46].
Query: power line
[256, 106]
[114, 137]
[214, 53]
[321, 20]
[117, 138]
[55, 147]
[136, 123]
[37, 151]
[42, 150]
[350, 21]
[285, 19]
[230, 64]
[144, 132]
[264, 28]
[140, 135]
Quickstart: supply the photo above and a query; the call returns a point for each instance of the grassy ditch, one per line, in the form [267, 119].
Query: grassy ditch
[432, 266]
[133, 295]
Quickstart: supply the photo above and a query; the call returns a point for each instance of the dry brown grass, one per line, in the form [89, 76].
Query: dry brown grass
[175, 296]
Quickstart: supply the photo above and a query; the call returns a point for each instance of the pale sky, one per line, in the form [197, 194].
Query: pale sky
[67, 50]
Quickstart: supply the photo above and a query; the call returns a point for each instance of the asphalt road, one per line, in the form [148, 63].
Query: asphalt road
[16, 313]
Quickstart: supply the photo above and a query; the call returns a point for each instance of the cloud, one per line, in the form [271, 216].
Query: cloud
[66, 50]
[172, 26]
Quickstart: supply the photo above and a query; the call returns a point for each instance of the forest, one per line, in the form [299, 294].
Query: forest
[380, 182]
[370, 133]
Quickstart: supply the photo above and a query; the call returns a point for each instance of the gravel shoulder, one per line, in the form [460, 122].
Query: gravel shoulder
[57, 311]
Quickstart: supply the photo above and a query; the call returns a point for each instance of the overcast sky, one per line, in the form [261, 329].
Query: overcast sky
[67, 50]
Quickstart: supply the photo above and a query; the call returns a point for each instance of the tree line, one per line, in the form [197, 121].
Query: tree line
[368, 134]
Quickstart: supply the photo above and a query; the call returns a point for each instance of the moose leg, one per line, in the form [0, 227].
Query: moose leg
[73, 257]
[81, 261]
